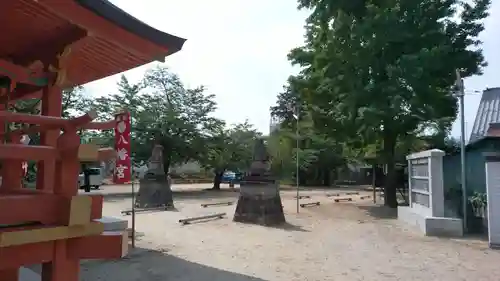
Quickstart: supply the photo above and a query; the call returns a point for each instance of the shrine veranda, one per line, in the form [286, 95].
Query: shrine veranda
[68, 43]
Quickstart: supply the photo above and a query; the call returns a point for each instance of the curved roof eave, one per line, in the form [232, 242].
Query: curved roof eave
[112, 13]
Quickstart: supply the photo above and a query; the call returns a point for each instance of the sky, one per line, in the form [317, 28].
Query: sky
[238, 50]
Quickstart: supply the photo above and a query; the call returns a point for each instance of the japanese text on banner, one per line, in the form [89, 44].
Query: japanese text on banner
[122, 173]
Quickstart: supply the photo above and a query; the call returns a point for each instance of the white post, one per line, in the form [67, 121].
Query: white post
[436, 185]
[297, 168]
[493, 194]
[410, 173]
[463, 170]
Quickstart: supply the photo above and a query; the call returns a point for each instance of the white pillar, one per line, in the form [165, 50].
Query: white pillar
[493, 202]
[436, 185]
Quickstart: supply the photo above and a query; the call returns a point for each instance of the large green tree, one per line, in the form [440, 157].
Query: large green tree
[163, 111]
[383, 70]
[179, 118]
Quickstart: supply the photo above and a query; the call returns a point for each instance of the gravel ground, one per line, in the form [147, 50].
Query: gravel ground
[335, 241]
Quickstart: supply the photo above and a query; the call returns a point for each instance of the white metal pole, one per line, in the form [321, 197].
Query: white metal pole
[297, 162]
[133, 187]
[461, 95]
[133, 211]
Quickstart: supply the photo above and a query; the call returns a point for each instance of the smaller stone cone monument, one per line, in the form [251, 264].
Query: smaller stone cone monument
[259, 201]
[154, 188]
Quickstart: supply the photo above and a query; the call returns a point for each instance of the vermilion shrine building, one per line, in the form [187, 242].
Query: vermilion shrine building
[46, 46]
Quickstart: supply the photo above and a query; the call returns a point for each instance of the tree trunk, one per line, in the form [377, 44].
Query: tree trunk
[218, 179]
[302, 178]
[166, 163]
[326, 177]
[390, 194]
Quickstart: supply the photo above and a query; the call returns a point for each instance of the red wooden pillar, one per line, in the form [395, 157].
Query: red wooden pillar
[2, 124]
[11, 274]
[51, 106]
[63, 267]
[12, 173]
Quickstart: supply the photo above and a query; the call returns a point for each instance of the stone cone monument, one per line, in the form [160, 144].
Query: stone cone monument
[154, 188]
[259, 201]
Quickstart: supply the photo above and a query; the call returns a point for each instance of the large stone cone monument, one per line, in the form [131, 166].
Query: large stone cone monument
[154, 189]
[259, 201]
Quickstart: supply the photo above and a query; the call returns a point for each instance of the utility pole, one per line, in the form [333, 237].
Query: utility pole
[295, 113]
[297, 135]
[461, 94]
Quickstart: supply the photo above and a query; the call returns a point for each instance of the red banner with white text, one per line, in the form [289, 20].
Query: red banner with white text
[122, 173]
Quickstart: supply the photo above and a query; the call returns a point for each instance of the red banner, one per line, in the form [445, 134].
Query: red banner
[122, 173]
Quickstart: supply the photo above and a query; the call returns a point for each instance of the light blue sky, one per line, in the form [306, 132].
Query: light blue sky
[238, 49]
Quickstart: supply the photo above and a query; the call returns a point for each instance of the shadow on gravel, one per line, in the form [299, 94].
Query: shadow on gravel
[284, 226]
[380, 212]
[337, 187]
[290, 227]
[151, 265]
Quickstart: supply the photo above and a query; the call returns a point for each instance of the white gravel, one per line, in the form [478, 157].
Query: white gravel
[335, 241]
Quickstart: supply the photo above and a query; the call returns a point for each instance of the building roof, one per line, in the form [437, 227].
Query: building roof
[493, 130]
[93, 38]
[112, 13]
[488, 112]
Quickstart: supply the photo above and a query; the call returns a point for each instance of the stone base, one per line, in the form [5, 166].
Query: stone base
[259, 210]
[154, 192]
[431, 226]
[113, 223]
[494, 246]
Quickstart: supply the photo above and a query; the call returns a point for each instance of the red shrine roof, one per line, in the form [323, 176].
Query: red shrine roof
[96, 38]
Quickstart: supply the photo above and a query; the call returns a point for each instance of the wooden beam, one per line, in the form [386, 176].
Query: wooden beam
[107, 153]
[11, 274]
[97, 202]
[21, 94]
[53, 122]
[22, 74]
[88, 152]
[38, 129]
[109, 245]
[47, 51]
[79, 210]
[48, 209]
[61, 268]
[28, 152]
[51, 106]
[37, 234]
[100, 125]
[97, 25]
[16, 256]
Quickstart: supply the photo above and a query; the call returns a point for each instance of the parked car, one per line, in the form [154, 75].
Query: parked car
[231, 176]
[228, 177]
[96, 178]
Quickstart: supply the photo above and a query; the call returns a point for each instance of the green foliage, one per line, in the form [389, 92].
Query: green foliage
[478, 200]
[319, 155]
[378, 72]
[231, 149]
[164, 111]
